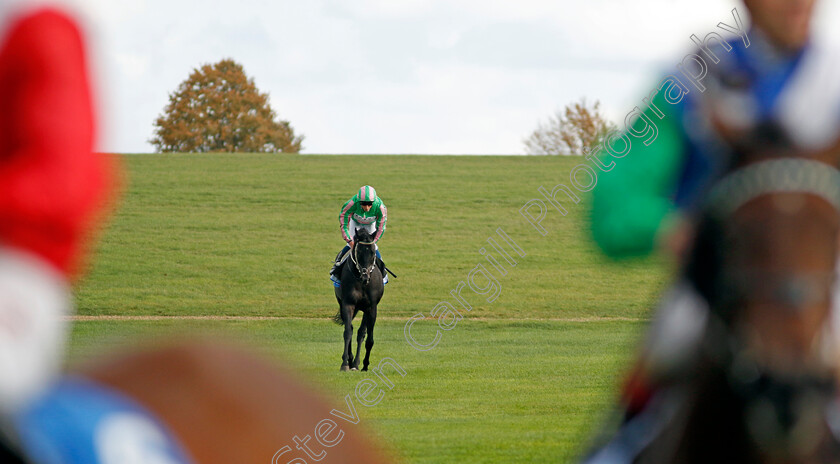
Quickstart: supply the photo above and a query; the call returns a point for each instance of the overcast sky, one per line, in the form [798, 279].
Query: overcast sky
[397, 76]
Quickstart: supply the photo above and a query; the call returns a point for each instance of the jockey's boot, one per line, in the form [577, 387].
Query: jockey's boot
[381, 265]
[337, 262]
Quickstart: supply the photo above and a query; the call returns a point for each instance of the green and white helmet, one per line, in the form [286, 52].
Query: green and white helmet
[367, 193]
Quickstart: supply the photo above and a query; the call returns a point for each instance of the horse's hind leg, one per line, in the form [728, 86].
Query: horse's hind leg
[369, 321]
[360, 336]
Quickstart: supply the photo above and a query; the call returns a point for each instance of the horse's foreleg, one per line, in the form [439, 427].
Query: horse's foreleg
[347, 317]
[360, 336]
[369, 321]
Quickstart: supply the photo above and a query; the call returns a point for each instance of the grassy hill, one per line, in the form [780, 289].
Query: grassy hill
[521, 379]
[255, 235]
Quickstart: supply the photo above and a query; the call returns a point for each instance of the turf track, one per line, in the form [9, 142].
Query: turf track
[239, 246]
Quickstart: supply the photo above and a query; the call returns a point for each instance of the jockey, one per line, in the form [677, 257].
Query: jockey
[363, 210]
[53, 189]
[774, 79]
[782, 83]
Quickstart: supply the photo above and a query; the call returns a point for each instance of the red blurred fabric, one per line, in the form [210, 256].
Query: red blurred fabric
[51, 182]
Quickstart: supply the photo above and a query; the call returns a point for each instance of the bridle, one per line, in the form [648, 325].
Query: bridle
[365, 272]
[789, 175]
[786, 175]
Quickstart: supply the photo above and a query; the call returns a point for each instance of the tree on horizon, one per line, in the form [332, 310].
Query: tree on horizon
[219, 109]
[576, 130]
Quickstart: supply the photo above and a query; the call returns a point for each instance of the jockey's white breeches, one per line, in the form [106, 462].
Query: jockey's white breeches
[371, 228]
[35, 301]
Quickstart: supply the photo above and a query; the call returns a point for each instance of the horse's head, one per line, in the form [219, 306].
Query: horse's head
[776, 224]
[765, 260]
[364, 254]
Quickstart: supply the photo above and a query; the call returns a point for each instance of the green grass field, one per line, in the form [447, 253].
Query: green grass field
[523, 378]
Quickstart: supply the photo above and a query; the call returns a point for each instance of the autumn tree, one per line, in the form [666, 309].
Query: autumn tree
[219, 109]
[576, 130]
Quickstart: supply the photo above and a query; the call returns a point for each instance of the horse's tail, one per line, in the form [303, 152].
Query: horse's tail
[337, 318]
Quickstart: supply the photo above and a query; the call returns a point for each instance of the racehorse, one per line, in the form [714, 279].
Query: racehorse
[759, 383]
[360, 290]
[216, 404]
[741, 362]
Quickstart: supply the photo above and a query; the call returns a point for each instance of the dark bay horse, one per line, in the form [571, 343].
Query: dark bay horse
[759, 384]
[741, 363]
[361, 290]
